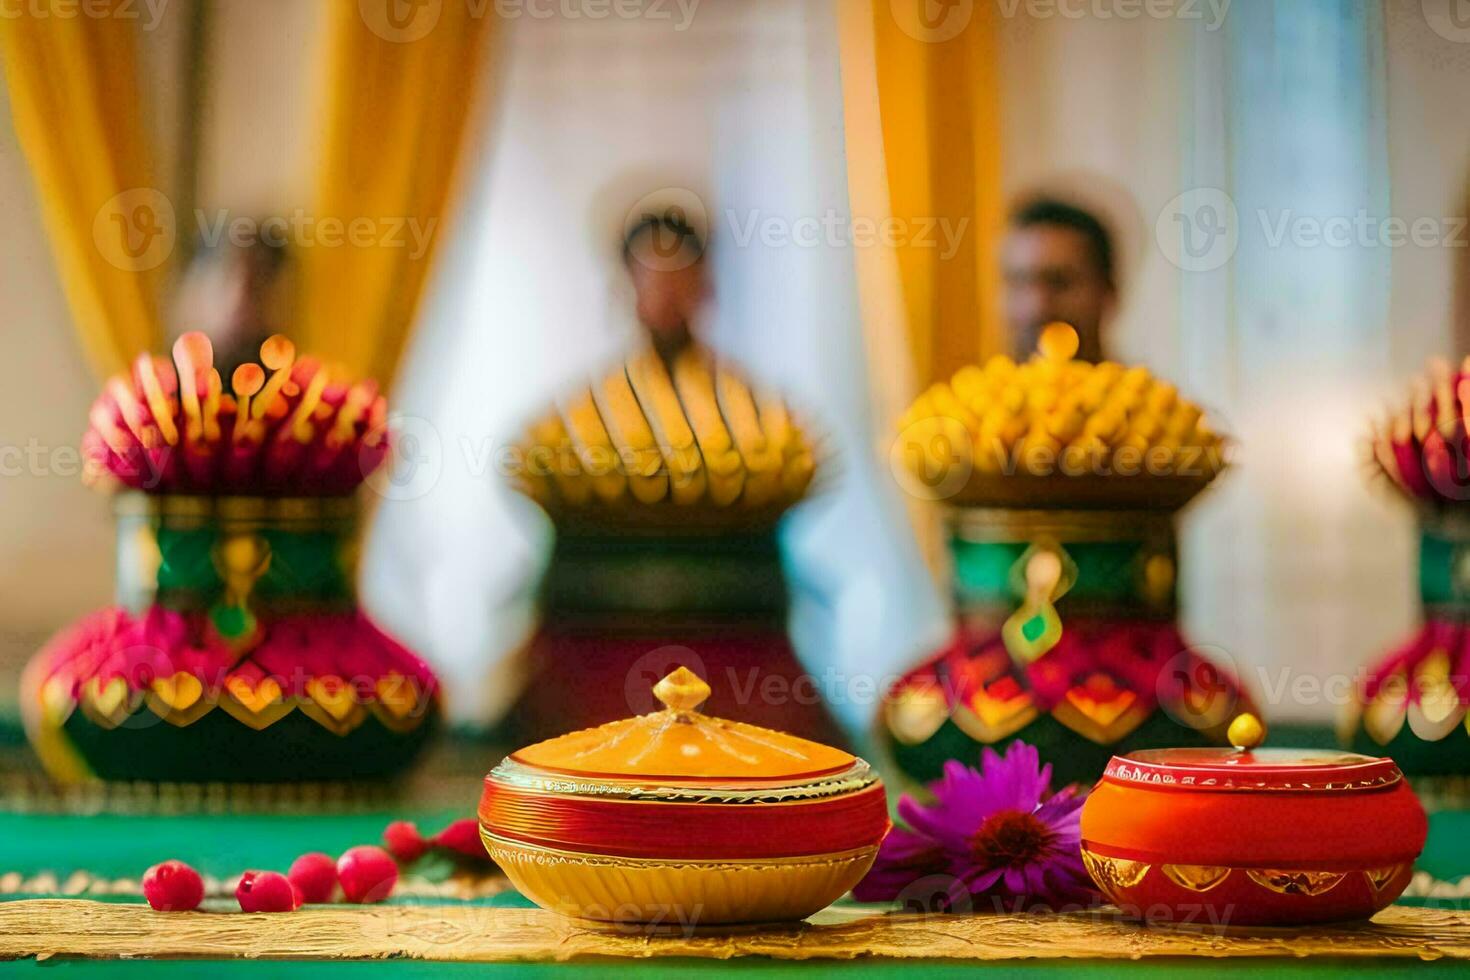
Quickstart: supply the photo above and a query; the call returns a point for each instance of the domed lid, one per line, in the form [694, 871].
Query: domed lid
[678, 744]
[1258, 769]
[1246, 767]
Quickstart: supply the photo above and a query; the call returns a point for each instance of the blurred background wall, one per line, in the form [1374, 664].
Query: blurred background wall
[1103, 107]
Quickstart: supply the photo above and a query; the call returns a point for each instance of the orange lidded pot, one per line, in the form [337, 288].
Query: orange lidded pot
[678, 818]
[1218, 837]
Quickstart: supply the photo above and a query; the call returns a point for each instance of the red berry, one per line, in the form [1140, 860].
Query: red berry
[367, 873]
[404, 841]
[173, 886]
[267, 891]
[315, 876]
[463, 837]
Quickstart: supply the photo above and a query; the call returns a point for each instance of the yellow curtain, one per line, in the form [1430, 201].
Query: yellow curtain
[922, 82]
[399, 91]
[75, 98]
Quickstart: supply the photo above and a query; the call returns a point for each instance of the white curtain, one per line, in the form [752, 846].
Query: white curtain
[1301, 573]
[737, 111]
[1293, 570]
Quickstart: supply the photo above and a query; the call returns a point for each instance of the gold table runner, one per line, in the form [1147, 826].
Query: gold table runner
[77, 928]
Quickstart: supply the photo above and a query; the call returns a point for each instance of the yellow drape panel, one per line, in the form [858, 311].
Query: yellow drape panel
[398, 96]
[938, 94]
[886, 318]
[74, 96]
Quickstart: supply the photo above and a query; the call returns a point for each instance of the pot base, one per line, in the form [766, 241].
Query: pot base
[677, 894]
[1210, 897]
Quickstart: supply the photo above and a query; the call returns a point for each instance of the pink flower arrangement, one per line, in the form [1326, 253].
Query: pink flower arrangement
[996, 834]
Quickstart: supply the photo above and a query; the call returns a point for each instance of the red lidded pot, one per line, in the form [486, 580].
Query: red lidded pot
[1220, 837]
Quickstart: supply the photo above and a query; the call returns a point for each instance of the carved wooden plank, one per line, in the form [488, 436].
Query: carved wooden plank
[79, 928]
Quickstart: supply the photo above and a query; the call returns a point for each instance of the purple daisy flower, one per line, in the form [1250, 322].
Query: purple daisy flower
[993, 837]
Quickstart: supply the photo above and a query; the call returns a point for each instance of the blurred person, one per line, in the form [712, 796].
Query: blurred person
[236, 295]
[684, 555]
[664, 258]
[1058, 264]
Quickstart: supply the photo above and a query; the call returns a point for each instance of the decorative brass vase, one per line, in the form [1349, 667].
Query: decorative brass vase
[1411, 705]
[236, 653]
[1066, 638]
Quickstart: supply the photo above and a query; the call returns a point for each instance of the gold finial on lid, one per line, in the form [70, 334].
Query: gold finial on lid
[1246, 731]
[682, 691]
[1058, 342]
